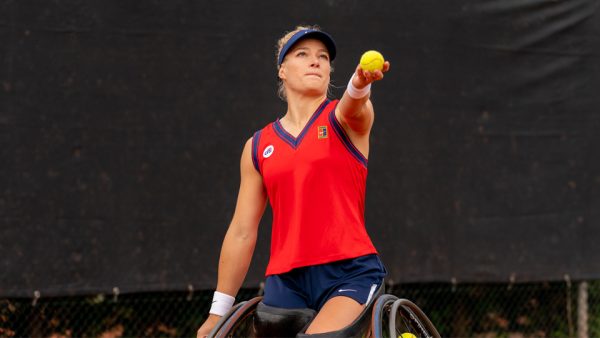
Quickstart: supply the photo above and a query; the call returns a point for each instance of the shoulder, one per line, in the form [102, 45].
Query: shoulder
[252, 145]
[248, 143]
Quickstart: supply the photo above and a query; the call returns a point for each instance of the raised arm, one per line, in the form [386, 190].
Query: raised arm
[356, 115]
[240, 239]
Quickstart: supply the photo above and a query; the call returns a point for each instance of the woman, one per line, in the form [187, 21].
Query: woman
[312, 165]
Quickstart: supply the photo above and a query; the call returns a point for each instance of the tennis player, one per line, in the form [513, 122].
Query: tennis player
[312, 166]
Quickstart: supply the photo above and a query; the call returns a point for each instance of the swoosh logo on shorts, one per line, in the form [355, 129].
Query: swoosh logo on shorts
[346, 290]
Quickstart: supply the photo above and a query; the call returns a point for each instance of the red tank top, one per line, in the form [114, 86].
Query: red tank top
[316, 186]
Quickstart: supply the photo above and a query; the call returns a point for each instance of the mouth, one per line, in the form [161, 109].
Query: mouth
[314, 74]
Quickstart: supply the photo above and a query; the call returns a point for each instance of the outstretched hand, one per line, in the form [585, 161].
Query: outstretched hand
[363, 78]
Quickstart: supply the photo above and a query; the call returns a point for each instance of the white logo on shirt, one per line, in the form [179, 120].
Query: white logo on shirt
[268, 151]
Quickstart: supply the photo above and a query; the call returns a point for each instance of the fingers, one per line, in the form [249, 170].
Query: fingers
[386, 66]
[360, 73]
[366, 77]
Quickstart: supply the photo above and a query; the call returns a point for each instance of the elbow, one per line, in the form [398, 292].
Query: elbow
[243, 234]
[246, 237]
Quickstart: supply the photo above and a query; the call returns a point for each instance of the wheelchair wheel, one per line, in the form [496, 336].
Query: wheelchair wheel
[380, 316]
[393, 317]
[407, 317]
[238, 322]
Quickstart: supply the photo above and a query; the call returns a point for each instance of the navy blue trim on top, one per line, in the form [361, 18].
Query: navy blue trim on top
[255, 141]
[289, 138]
[341, 133]
[284, 135]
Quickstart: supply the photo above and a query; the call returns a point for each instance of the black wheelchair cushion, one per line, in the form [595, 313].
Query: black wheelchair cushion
[272, 321]
[357, 328]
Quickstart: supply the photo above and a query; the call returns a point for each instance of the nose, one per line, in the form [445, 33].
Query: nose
[315, 61]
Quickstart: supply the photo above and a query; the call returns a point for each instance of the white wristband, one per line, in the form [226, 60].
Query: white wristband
[356, 93]
[221, 303]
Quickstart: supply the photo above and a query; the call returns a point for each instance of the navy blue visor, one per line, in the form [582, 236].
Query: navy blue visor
[304, 34]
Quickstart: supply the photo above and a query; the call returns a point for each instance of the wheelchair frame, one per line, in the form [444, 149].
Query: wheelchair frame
[407, 318]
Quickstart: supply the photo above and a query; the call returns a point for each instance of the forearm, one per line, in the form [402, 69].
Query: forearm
[353, 109]
[236, 255]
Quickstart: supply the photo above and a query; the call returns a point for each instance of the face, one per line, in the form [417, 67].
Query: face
[306, 68]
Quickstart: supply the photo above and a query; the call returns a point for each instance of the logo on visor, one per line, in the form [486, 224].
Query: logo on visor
[268, 151]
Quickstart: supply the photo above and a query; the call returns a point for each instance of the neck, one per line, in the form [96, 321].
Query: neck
[300, 109]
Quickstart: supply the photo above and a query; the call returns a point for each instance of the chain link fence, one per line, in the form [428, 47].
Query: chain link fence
[461, 310]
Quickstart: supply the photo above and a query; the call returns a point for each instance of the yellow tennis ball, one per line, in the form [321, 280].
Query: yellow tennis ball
[407, 335]
[370, 61]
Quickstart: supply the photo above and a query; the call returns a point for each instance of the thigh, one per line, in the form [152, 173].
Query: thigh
[355, 278]
[337, 313]
[282, 291]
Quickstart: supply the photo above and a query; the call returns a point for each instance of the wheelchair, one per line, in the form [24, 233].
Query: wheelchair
[385, 315]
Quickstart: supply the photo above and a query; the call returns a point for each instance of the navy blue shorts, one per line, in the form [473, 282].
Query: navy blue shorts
[311, 286]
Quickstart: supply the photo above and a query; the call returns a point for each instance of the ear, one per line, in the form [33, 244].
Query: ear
[281, 72]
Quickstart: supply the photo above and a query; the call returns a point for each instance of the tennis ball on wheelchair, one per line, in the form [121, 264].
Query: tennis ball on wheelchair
[370, 61]
[407, 335]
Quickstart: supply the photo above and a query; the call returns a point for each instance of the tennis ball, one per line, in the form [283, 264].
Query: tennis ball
[370, 61]
[407, 335]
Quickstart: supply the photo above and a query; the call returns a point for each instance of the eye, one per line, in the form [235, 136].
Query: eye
[324, 56]
[301, 53]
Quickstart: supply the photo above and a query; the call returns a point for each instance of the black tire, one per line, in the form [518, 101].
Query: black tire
[380, 315]
[238, 321]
